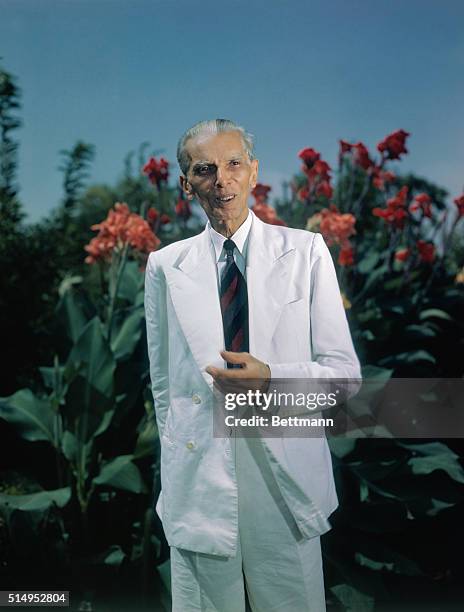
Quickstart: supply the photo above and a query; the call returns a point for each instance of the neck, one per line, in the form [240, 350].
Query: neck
[228, 227]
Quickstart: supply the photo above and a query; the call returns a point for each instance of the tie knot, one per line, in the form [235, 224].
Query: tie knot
[229, 246]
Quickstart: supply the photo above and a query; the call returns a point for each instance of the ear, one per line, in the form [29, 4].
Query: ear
[186, 187]
[254, 172]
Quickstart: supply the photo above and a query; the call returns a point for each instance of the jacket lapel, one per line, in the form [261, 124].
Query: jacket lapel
[194, 291]
[269, 272]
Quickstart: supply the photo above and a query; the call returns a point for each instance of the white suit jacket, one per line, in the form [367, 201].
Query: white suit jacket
[297, 324]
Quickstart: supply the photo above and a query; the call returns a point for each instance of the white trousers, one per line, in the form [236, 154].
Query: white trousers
[280, 570]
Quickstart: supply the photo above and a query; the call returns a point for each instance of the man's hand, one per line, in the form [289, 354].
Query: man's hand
[254, 374]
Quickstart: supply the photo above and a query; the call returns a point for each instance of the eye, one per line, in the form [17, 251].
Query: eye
[235, 162]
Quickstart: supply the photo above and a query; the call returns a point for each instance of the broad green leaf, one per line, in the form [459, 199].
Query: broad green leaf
[32, 417]
[125, 339]
[121, 473]
[90, 394]
[352, 599]
[145, 445]
[432, 456]
[37, 501]
[74, 310]
[131, 282]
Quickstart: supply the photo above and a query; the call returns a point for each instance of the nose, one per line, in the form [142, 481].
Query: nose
[221, 176]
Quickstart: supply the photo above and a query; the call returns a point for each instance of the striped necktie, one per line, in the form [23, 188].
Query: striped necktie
[234, 304]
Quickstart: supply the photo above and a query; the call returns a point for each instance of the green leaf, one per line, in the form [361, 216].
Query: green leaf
[434, 312]
[368, 262]
[121, 473]
[408, 357]
[125, 339]
[352, 599]
[32, 417]
[131, 283]
[37, 501]
[145, 445]
[115, 556]
[341, 447]
[74, 310]
[375, 373]
[420, 331]
[433, 456]
[90, 394]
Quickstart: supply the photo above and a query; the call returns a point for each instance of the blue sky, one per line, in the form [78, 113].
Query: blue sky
[295, 73]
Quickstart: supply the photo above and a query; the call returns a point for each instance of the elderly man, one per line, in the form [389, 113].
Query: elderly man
[243, 299]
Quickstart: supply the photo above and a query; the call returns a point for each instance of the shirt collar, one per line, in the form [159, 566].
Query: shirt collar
[239, 237]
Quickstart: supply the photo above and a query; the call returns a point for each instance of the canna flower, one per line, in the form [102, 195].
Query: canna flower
[426, 251]
[267, 214]
[121, 228]
[154, 217]
[157, 171]
[346, 256]
[402, 254]
[395, 213]
[422, 202]
[381, 177]
[261, 192]
[394, 144]
[336, 227]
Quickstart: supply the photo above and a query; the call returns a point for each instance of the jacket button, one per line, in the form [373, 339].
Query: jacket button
[190, 445]
[196, 399]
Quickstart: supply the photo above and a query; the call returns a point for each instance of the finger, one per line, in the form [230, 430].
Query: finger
[233, 357]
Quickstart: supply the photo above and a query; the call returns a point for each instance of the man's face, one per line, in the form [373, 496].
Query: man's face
[220, 176]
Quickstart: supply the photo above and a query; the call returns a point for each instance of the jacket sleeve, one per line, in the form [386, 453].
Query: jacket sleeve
[157, 338]
[333, 352]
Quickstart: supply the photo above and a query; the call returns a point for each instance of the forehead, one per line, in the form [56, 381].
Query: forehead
[214, 147]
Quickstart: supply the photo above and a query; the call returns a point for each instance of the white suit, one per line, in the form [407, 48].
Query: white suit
[297, 325]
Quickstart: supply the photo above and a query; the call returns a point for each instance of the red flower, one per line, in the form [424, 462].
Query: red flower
[154, 218]
[335, 226]
[261, 192]
[156, 171]
[361, 156]
[395, 213]
[346, 256]
[422, 202]
[309, 156]
[460, 204]
[303, 193]
[345, 147]
[402, 254]
[381, 177]
[267, 214]
[324, 189]
[394, 144]
[426, 251]
[183, 209]
[119, 229]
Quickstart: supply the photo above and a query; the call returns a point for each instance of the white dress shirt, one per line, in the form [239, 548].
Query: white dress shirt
[240, 239]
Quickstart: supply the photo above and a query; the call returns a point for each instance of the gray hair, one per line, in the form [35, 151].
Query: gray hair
[212, 126]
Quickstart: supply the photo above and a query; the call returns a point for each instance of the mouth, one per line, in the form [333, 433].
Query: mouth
[225, 199]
